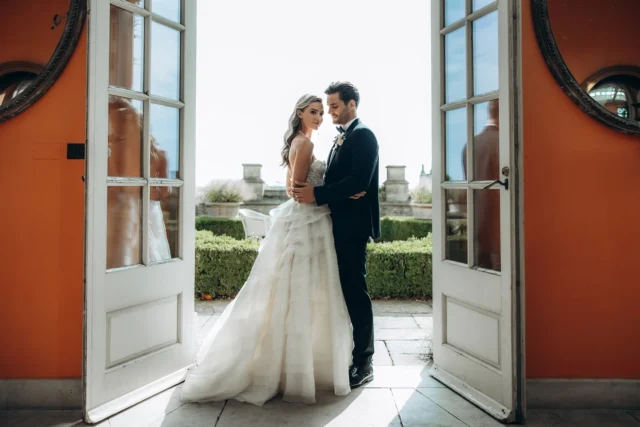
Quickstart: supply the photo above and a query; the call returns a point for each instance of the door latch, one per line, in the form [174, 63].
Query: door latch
[505, 184]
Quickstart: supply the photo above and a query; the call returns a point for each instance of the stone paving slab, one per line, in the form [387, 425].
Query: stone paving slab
[424, 321]
[388, 321]
[407, 347]
[416, 410]
[402, 377]
[463, 409]
[381, 356]
[401, 334]
[409, 360]
[363, 407]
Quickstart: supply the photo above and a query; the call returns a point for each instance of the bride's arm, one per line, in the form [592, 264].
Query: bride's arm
[289, 184]
[302, 153]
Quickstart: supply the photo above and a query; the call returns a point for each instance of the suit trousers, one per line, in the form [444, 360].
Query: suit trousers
[352, 265]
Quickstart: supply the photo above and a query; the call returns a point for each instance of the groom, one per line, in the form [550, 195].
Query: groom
[352, 168]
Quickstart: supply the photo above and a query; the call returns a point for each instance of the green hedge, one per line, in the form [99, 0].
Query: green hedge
[391, 228]
[400, 269]
[222, 263]
[403, 228]
[231, 227]
[394, 270]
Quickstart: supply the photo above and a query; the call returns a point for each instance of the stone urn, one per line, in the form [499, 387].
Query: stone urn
[222, 210]
[422, 210]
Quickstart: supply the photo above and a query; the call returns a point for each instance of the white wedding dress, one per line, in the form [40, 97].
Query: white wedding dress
[158, 243]
[287, 331]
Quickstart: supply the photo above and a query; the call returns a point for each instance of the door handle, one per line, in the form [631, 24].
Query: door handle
[504, 183]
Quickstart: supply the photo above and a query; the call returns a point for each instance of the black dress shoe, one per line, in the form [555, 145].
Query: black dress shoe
[360, 375]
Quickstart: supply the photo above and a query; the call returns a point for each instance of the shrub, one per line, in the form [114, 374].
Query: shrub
[421, 195]
[231, 227]
[222, 263]
[395, 270]
[403, 228]
[400, 269]
[223, 192]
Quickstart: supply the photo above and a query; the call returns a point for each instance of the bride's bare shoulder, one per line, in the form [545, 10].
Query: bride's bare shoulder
[301, 142]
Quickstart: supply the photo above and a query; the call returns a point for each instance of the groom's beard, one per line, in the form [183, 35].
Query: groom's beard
[344, 118]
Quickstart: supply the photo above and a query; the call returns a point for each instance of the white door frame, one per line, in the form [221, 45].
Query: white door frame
[166, 366]
[511, 60]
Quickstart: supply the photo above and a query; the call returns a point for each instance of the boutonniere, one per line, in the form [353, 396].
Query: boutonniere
[340, 139]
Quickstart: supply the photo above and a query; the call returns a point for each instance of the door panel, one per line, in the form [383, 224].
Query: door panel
[473, 297]
[139, 327]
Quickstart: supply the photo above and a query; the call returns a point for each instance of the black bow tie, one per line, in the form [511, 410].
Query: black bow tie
[340, 129]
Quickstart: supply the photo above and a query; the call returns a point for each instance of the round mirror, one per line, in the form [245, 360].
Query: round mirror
[592, 49]
[38, 38]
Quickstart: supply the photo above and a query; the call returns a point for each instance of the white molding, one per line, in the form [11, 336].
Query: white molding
[63, 393]
[494, 408]
[583, 394]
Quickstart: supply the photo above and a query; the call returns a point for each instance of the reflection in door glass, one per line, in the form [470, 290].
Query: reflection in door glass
[165, 61]
[455, 69]
[125, 137]
[126, 44]
[165, 133]
[169, 9]
[453, 11]
[485, 54]
[486, 237]
[455, 140]
[486, 142]
[456, 223]
[479, 4]
[164, 210]
[123, 226]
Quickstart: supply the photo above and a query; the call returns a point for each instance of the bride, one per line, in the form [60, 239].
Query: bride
[287, 331]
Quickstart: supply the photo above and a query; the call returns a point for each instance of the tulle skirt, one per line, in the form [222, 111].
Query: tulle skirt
[287, 331]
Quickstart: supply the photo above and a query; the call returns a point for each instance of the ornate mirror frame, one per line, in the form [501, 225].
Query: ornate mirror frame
[565, 78]
[55, 66]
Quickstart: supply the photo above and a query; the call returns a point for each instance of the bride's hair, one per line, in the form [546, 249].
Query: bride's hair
[295, 124]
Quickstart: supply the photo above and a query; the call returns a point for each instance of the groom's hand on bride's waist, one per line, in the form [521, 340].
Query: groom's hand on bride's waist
[303, 193]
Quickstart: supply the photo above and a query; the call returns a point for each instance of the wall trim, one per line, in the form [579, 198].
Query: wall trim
[583, 394]
[41, 394]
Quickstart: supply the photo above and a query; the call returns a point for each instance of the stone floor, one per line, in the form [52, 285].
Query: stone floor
[402, 394]
[402, 330]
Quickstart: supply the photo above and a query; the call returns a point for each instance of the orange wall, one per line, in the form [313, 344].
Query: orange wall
[42, 232]
[582, 201]
[37, 44]
[586, 38]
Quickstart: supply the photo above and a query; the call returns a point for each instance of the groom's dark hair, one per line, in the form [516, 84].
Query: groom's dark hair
[346, 90]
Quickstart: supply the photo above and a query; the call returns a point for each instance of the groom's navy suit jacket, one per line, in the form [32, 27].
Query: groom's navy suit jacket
[351, 169]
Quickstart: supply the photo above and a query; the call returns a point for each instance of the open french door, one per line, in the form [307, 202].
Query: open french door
[139, 301]
[474, 121]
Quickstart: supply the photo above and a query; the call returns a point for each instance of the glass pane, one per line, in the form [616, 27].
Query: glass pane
[486, 142]
[165, 61]
[164, 211]
[455, 142]
[165, 142]
[169, 9]
[125, 137]
[456, 219]
[126, 50]
[479, 4]
[453, 11]
[455, 70]
[485, 54]
[124, 217]
[486, 238]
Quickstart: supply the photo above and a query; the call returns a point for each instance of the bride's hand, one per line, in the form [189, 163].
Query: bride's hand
[357, 196]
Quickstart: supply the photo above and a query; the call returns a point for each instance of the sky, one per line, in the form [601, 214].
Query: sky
[256, 58]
